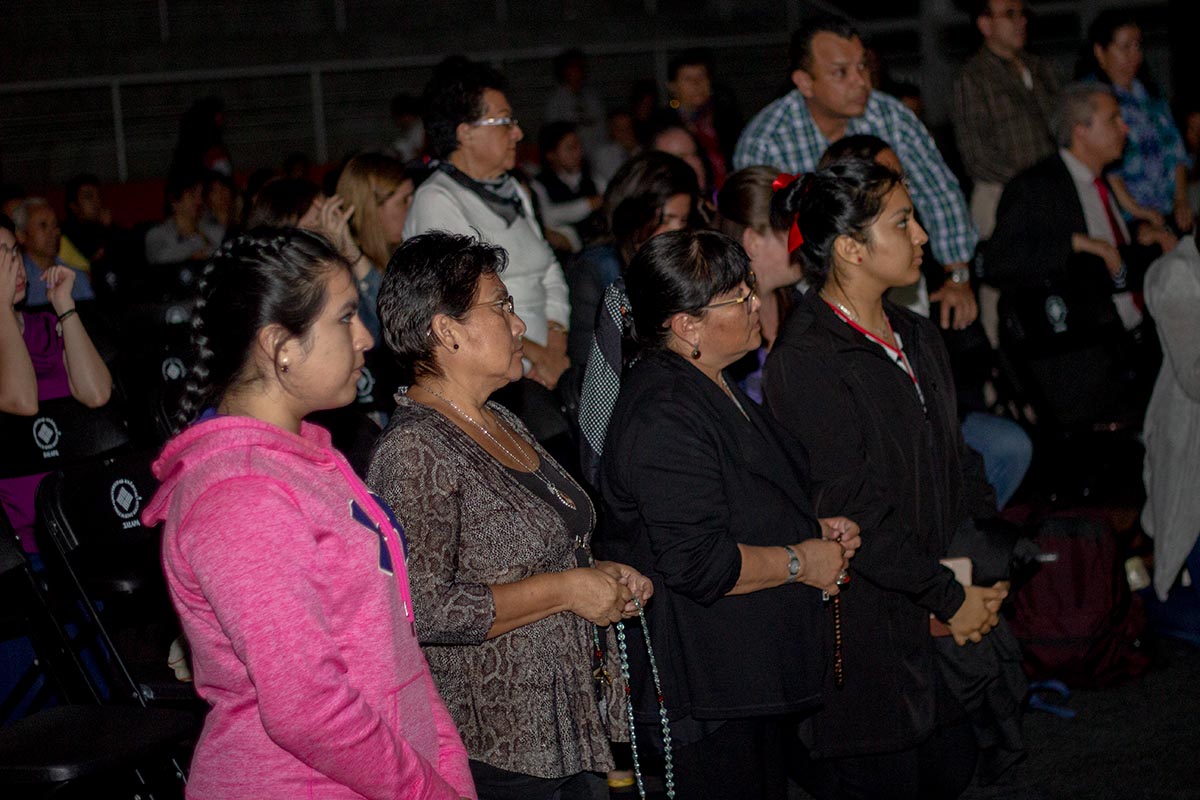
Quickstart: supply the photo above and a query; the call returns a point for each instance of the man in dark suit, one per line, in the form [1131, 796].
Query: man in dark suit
[1068, 266]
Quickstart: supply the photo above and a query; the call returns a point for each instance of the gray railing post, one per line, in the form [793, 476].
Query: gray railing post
[320, 140]
[119, 131]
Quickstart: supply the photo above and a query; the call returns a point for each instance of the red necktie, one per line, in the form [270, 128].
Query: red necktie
[1114, 226]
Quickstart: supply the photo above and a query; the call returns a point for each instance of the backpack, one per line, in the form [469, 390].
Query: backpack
[1076, 619]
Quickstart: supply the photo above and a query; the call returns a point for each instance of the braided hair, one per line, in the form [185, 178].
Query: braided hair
[268, 276]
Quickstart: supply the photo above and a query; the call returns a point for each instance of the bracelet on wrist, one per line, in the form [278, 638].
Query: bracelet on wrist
[66, 314]
[793, 564]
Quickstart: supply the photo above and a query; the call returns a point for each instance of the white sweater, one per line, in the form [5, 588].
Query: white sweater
[533, 277]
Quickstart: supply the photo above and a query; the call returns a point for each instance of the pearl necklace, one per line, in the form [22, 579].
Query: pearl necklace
[533, 469]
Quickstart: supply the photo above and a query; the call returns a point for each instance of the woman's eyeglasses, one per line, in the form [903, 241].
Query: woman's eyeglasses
[496, 122]
[737, 301]
[506, 304]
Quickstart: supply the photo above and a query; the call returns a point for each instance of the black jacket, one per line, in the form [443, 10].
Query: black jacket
[1029, 257]
[904, 474]
[685, 478]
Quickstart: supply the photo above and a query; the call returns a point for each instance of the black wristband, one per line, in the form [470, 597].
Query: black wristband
[64, 315]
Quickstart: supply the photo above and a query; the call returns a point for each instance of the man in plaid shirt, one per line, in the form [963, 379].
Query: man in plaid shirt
[832, 99]
[1003, 102]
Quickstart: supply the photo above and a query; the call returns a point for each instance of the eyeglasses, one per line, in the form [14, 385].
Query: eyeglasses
[505, 304]
[737, 301]
[496, 122]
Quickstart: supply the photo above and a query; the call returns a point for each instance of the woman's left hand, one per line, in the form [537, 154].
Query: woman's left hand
[334, 219]
[59, 282]
[637, 583]
[843, 530]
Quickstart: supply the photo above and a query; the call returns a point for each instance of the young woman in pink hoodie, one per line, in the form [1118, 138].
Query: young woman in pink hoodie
[287, 573]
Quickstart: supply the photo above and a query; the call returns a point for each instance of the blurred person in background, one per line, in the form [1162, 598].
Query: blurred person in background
[39, 236]
[574, 101]
[710, 116]
[567, 196]
[185, 235]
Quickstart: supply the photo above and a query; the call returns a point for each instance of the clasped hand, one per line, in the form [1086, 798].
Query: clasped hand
[605, 594]
[979, 612]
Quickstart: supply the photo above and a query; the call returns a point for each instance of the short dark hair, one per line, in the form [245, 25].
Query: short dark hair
[977, 8]
[692, 57]
[7, 224]
[552, 134]
[1076, 105]
[565, 59]
[179, 181]
[429, 274]
[1104, 27]
[864, 146]
[78, 182]
[842, 199]
[800, 51]
[453, 96]
[281, 202]
[269, 276]
[680, 271]
[635, 197]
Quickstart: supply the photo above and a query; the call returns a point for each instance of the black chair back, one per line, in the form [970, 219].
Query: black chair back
[378, 384]
[97, 549]
[63, 432]
[149, 373]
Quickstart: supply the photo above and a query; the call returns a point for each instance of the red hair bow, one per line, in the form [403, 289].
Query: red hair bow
[795, 237]
[783, 180]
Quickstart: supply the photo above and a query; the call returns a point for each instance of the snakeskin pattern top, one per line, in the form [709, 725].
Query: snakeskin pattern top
[524, 701]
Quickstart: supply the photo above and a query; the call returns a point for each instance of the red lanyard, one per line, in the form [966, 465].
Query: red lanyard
[897, 353]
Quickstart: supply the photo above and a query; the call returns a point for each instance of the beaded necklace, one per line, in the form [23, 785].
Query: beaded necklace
[668, 756]
[536, 471]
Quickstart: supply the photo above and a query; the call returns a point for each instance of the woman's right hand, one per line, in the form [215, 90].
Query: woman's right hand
[596, 596]
[977, 614]
[11, 267]
[821, 562]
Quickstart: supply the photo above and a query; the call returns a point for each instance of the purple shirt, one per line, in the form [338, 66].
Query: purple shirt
[46, 351]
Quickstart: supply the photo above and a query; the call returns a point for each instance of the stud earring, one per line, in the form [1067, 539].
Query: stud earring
[283, 366]
[456, 345]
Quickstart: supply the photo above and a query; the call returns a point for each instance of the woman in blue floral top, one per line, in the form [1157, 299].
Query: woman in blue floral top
[1151, 181]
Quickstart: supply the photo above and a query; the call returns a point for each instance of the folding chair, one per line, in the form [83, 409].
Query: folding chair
[77, 750]
[99, 554]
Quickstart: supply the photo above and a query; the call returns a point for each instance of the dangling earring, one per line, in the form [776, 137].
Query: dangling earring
[696, 350]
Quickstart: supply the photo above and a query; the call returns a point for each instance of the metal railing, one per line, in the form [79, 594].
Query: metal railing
[760, 60]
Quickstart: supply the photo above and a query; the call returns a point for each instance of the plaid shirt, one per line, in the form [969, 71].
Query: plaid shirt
[784, 136]
[1002, 126]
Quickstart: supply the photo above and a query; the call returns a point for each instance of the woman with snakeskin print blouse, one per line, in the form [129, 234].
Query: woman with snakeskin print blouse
[509, 605]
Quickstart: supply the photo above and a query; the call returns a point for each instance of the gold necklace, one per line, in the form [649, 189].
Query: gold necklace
[535, 470]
